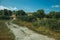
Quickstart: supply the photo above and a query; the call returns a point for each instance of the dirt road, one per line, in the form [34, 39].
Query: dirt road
[23, 33]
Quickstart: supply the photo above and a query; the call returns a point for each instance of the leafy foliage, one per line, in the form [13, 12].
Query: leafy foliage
[27, 18]
[52, 24]
[20, 12]
[39, 14]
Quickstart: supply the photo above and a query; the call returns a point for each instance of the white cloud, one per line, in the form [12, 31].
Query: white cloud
[9, 8]
[56, 6]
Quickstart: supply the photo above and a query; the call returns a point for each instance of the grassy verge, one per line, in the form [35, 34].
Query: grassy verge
[5, 33]
[41, 30]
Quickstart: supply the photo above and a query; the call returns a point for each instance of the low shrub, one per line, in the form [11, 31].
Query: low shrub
[5, 17]
[27, 18]
[52, 24]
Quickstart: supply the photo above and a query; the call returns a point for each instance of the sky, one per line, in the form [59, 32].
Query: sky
[30, 5]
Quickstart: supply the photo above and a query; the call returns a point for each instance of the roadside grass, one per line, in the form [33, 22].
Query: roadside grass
[40, 29]
[5, 33]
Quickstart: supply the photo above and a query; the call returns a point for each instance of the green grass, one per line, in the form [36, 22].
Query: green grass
[5, 33]
[40, 29]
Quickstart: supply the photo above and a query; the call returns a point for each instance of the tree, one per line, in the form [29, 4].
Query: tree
[57, 15]
[1, 12]
[20, 12]
[39, 14]
[7, 12]
[52, 14]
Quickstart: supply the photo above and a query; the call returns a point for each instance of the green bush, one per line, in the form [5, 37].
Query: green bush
[52, 24]
[5, 17]
[27, 18]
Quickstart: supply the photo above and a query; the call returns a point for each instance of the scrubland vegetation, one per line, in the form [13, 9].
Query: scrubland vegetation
[39, 21]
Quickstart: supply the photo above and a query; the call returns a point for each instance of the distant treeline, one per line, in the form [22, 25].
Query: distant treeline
[5, 14]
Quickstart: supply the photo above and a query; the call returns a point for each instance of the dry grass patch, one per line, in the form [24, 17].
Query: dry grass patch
[5, 33]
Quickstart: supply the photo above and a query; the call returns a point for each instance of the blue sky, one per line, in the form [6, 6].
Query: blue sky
[31, 5]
